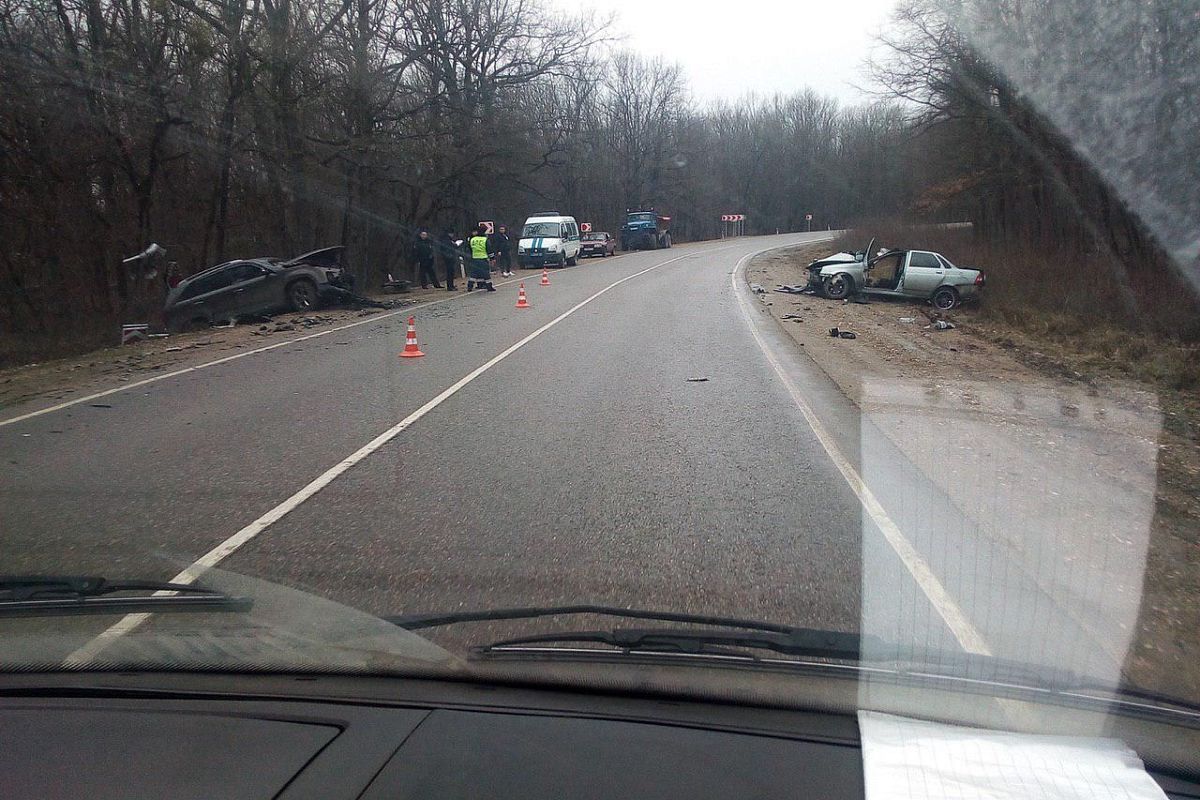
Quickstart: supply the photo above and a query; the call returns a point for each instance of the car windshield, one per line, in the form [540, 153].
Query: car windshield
[959, 482]
[549, 229]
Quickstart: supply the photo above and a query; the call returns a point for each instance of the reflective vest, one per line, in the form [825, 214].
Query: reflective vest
[479, 247]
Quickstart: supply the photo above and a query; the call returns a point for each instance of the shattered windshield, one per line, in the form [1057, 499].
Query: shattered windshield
[976, 458]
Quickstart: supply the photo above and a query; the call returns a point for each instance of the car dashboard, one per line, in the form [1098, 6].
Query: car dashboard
[133, 735]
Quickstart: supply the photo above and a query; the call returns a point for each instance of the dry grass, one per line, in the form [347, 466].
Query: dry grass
[1085, 310]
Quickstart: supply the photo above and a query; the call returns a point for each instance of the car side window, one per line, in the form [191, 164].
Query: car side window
[209, 283]
[945, 262]
[928, 260]
[245, 272]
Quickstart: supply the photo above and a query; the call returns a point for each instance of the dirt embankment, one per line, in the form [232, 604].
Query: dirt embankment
[1090, 477]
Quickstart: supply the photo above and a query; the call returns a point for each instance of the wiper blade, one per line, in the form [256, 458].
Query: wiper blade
[414, 622]
[795, 642]
[68, 595]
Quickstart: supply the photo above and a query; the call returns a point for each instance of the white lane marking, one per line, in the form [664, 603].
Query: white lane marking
[89, 651]
[967, 634]
[226, 359]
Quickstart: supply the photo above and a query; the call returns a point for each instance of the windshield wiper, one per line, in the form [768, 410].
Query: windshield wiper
[858, 648]
[68, 595]
[796, 642]
[414, 622]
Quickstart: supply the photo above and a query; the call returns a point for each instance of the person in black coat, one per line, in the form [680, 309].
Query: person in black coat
[501, 245]
[423, 255]
[450, 255]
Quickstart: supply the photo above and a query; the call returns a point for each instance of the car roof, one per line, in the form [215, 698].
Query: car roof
[263, 262]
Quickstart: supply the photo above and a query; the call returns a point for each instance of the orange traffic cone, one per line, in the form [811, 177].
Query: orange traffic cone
[410, 342]
[545, 277]
[521, 301]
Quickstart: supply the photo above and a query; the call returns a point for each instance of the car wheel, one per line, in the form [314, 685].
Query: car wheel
[572, 261]
[302, 295]
[944, 299]
[838, 287]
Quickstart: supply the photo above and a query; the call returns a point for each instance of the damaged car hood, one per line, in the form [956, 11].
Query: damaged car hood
[328, 257]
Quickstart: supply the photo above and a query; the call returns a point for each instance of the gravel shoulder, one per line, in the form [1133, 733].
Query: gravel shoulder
[1090, 482]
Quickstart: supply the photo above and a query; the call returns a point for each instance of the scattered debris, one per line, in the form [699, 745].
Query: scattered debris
[697, 380]
[908, 320]
[833, 332]
[100, 405]
[173, 349]
[757, 288]
[848, 335]
[791, 316]
[796, 289]
[282, 326]
[941, 325]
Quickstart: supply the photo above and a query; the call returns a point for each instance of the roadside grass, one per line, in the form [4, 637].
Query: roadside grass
[1069, 308]
[1081, 318]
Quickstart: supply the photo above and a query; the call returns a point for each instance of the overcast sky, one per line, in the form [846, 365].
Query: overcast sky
[728, 47]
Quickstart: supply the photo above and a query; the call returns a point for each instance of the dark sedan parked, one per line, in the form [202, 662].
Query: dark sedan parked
[597, 243]
[256, 286]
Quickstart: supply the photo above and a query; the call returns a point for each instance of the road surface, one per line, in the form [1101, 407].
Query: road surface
[560, 454]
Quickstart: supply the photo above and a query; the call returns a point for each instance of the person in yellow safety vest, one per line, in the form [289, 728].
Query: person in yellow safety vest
[481, 272]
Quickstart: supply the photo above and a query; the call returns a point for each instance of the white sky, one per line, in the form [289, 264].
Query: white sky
[729, 47]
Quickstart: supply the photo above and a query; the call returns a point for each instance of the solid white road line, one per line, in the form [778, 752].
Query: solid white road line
[967, 634]
[228, 547]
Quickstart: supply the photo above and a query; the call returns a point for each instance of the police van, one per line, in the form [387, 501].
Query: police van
[549, 239]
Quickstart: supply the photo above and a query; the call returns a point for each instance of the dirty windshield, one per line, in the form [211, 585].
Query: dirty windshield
[541, 229]
[396, 412]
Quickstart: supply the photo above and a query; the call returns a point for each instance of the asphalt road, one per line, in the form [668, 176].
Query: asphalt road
[582, 466]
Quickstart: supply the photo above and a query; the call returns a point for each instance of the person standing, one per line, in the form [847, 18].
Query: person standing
[449, 252]
[423, 254]
[502, 247]
[481, 272]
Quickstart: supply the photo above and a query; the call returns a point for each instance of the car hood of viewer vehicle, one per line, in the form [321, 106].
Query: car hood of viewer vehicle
[284, 630]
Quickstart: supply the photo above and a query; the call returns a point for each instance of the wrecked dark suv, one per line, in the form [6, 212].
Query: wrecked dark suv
[255, 286]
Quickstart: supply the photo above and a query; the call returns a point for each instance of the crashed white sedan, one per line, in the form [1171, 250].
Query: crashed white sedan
[919, 274]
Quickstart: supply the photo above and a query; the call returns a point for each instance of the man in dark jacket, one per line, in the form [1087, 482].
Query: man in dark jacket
[501, 245]
[450, 254]
[423, 255]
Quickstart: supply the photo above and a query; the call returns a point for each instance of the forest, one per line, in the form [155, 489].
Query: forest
[1064, 130]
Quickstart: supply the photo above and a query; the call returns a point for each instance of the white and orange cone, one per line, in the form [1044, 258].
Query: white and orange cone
[410, 341]
[545, 277]
[521, 301]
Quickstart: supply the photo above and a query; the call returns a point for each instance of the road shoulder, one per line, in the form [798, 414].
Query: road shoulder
[1065, 469]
